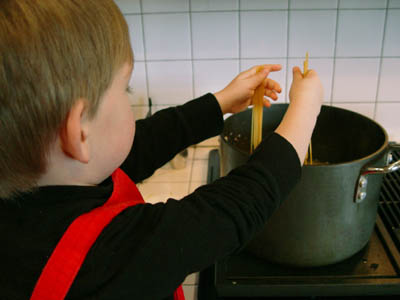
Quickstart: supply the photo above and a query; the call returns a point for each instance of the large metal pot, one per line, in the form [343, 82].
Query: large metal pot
[330, 214]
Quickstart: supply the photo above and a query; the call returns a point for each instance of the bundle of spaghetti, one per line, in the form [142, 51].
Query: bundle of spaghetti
[308, 160]
[257, 116]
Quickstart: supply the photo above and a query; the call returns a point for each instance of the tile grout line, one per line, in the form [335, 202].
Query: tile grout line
[378, 84]
[144, 51]
[258, 58]
[338, 102]
[239, 15]
[287, 89]
[191, 49]
[334, 54]
[258, 10]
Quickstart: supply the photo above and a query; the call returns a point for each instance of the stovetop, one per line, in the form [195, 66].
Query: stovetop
[374, 271]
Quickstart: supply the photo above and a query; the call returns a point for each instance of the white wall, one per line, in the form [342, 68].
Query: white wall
[185, 48]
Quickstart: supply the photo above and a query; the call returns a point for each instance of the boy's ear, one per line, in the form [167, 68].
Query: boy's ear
[74, 133]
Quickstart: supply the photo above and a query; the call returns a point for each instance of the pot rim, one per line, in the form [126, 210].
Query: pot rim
[356, 161]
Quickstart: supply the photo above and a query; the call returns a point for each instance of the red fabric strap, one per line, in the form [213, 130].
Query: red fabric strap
[69, 254]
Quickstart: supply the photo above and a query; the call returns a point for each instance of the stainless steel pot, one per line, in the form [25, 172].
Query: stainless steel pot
[330, 214]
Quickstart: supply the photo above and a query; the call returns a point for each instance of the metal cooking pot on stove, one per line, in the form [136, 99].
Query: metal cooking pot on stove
[330, 214]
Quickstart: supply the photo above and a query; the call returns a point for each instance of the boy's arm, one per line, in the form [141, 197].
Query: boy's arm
[159, 245]
[160, 137]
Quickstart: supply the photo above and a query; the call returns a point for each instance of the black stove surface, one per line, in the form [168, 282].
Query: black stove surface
[372, 273]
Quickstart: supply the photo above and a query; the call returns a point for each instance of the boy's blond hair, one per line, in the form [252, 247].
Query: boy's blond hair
[52, 52]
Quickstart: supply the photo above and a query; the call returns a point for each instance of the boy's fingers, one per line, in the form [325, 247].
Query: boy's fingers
[267, 103]
[297, 74]
[271, 94]
[252, 71]
[311, 73]
[258, 78]
[272, 85]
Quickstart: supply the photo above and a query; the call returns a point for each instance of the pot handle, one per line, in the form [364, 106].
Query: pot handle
[361, 189]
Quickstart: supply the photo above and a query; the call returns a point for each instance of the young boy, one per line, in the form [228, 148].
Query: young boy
[73, 225]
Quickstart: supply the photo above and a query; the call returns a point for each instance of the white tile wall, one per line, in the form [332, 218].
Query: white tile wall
[155, 6]
[387, 114]
[170, 82]
[136, 35]
[263, 34]
[391, 46]
[389, 87]
[263, 4]
[167, 36]
[366, 109]
[138, 84]
[394, 3]
[356, 79]
[313, 4]
[185, 48]
[218, 30]
[129, 6]
[362, 3]
[212, 5]
[360, 32]
[305, 36]
[211, 75]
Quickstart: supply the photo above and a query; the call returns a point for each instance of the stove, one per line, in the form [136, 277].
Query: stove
[374, 271]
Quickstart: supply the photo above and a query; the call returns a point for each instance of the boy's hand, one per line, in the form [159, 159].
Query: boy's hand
[237, 95]
[307, 89]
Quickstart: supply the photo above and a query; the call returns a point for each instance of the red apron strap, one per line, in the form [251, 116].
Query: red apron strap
[178, 294]
[70, 252]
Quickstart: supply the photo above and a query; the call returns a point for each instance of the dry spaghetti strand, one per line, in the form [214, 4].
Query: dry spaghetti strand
[308, 160]
[257, 116]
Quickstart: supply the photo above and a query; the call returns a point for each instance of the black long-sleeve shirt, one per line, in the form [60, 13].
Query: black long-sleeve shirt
[149, 249]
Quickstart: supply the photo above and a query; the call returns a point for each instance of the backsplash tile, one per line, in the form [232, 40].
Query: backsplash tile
[129, 6]
[394, 3]
[389, 87]
[199, 173]
[263, 34]
[185, 48]
[167, 36]
[155, 6]
[387, 114]
[136, 35]
[212, 5]
[218, 30]
[263, 4]
[170, 82]
[138, 84]
[391, 46]
[314, 4]
[362, 3]
[360, 33]
[366, 109]
[213, 75]
[355, 80]
[155, 192]
[305, 36]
